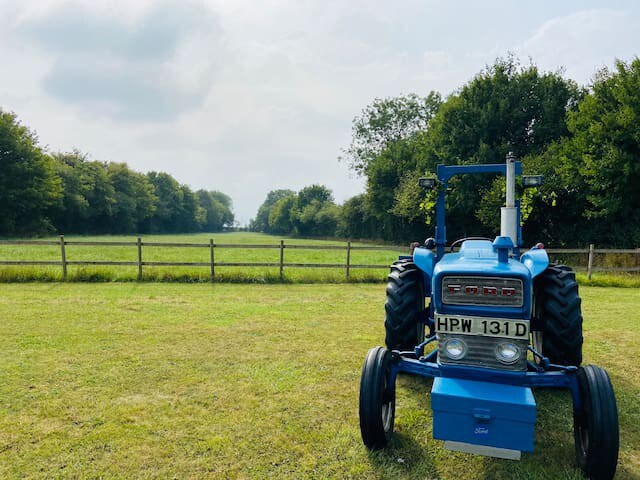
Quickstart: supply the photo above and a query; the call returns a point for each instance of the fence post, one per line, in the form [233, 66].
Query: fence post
[348, 258]
[63, 254]
[590, 263]
[213, 268]
[139, 258]
[281, 259]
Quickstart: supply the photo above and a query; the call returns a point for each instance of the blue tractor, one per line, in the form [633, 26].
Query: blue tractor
[502, 324]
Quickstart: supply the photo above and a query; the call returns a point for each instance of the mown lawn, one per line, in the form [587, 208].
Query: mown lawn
[249, 381]
[176, 254]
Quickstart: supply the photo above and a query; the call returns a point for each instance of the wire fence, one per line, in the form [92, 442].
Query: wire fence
[590, 259]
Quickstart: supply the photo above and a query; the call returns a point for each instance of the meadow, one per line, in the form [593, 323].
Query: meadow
[168, 380]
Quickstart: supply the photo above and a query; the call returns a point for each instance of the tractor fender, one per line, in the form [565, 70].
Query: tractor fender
[536, 260]
[425, 260]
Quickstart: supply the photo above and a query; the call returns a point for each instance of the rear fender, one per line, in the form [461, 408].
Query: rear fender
[425, 260]
[536, 260]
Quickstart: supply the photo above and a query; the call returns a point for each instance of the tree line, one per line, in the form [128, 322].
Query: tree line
[584, 140]
[69, 193]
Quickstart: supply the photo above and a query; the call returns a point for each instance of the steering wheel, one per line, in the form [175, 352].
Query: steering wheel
[460, 240]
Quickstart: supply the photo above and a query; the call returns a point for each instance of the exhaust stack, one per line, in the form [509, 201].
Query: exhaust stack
[508, 213]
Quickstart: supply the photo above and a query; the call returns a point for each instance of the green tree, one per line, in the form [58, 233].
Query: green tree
[280, 216]
[593, 175]
[387, 121]
[227, 212]
[308, 203]
[261, 222]
[356, 222]
[169, 213]
[505, 108]
[30, 190]
[214, 211]
[135, 200]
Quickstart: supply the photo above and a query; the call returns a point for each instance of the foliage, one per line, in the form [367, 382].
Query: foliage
[261, 222]
[506, 107]
[387, 121]
[68, 193]
[309, 212]
[30, 190]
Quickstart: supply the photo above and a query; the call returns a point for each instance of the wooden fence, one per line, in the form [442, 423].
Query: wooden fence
[211, 246]
[281, 264]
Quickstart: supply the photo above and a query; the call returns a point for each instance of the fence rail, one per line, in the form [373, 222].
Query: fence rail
[281, 264]
[211, 245]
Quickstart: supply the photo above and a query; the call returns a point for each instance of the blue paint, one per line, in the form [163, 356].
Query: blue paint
[477, 257]
[483, 413]
[536, 260]
[425, 261]
[502, 245]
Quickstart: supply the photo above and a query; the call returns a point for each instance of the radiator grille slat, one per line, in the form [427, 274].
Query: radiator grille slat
[481, 352]
[461, 286]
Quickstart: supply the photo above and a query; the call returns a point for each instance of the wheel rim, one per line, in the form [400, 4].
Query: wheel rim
[583, 432]
[387, 416]
[387, 405]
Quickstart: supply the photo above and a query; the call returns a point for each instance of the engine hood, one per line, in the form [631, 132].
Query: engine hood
[478, 258]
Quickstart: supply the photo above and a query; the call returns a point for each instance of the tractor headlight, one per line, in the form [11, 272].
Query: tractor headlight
[508, 352]
[455, 348]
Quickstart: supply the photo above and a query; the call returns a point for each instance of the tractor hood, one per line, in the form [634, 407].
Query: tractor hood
[482, 258]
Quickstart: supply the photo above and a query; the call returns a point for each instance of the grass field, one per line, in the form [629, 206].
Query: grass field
[175, 254]
[158, 380]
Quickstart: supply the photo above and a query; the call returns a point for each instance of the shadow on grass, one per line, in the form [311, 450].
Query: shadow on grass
[554, 450]
[404, 458]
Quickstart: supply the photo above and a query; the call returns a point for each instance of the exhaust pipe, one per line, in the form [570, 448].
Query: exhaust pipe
[508, 213]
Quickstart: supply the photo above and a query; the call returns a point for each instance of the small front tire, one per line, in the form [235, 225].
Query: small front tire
[596, 430]
[377, 399]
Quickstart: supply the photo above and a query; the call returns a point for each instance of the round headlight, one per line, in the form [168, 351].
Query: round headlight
[455, 348]
[508, 353]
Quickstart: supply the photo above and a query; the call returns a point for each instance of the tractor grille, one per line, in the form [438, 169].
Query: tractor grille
[481, 352]
[482, 291]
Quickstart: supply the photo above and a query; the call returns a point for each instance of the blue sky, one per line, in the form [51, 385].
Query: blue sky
[247, 96]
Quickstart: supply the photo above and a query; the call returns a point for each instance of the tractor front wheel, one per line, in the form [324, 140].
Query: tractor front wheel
[377, 399]
[404, 307]
[596, 427]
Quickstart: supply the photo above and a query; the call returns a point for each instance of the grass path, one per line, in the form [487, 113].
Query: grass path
[244, 381]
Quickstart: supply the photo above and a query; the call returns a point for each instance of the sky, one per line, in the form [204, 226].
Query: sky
[249, 96]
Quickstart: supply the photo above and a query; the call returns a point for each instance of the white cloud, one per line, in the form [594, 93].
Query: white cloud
[248, 96]
[583, 42]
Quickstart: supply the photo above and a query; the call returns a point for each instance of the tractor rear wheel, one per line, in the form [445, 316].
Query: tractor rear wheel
[404, 307]
[596, 428]
[377, 399]
[557, 307]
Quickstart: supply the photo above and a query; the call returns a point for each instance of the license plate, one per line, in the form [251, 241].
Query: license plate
[490, 327]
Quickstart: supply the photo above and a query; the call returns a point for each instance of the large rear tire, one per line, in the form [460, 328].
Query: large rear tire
[404, 307]
[377, 399]
[596, 428]
[557, 306]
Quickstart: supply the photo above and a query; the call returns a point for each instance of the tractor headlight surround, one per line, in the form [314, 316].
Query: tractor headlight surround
[455, 348]
[508, 353]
